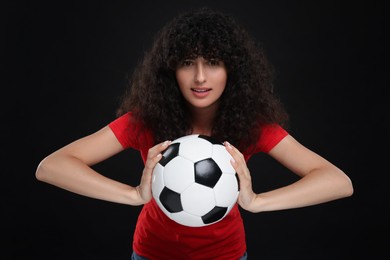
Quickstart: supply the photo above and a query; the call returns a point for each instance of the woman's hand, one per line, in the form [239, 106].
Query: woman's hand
[144, 189]
[246, 196]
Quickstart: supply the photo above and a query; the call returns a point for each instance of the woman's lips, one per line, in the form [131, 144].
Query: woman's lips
[200, 92]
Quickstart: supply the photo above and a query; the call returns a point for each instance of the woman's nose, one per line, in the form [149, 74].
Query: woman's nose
[200, 76]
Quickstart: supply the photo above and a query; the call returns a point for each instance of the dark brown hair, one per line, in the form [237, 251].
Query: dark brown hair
[248, 101]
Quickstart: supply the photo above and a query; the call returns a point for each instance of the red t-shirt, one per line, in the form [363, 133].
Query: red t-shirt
[158, 237]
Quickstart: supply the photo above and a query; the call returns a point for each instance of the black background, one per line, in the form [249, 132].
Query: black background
[64, 65]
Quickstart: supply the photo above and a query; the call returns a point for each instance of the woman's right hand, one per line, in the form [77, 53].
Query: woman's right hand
[144, 189]
[70, 168]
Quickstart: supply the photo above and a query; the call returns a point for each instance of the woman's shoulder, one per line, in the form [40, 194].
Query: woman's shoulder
[130, 131]
[270, 135]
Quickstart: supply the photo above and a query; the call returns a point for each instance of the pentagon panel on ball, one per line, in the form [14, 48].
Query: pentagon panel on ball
[194, 183]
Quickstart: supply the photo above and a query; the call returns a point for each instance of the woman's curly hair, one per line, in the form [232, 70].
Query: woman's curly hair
[247, 102]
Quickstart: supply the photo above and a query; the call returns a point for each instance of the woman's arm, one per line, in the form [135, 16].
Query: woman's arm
[69, 168]
[321, 180]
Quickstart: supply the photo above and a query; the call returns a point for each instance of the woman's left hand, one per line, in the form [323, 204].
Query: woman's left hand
[246, 196]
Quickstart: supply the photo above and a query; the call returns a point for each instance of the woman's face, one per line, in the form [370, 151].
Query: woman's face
[201, 81]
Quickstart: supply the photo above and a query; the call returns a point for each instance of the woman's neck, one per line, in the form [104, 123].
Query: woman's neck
[202, 120]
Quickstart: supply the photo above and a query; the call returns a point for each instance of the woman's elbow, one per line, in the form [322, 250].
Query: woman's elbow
[346, 186]
[42, 170]
[350, 188]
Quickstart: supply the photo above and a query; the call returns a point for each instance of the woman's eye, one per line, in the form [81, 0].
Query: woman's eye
[213, 62]
[186, 63]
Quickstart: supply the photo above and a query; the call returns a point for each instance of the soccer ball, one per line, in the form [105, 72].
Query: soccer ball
[194, 183]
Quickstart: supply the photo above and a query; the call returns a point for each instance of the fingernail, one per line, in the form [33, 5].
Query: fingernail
[229, 145]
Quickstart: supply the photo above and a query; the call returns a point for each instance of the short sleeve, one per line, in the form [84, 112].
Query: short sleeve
[130, 132]
[271, 135]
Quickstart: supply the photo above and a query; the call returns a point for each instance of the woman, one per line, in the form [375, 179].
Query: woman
[203, 75]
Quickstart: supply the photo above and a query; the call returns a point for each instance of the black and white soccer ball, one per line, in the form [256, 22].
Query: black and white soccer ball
[194, 183]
